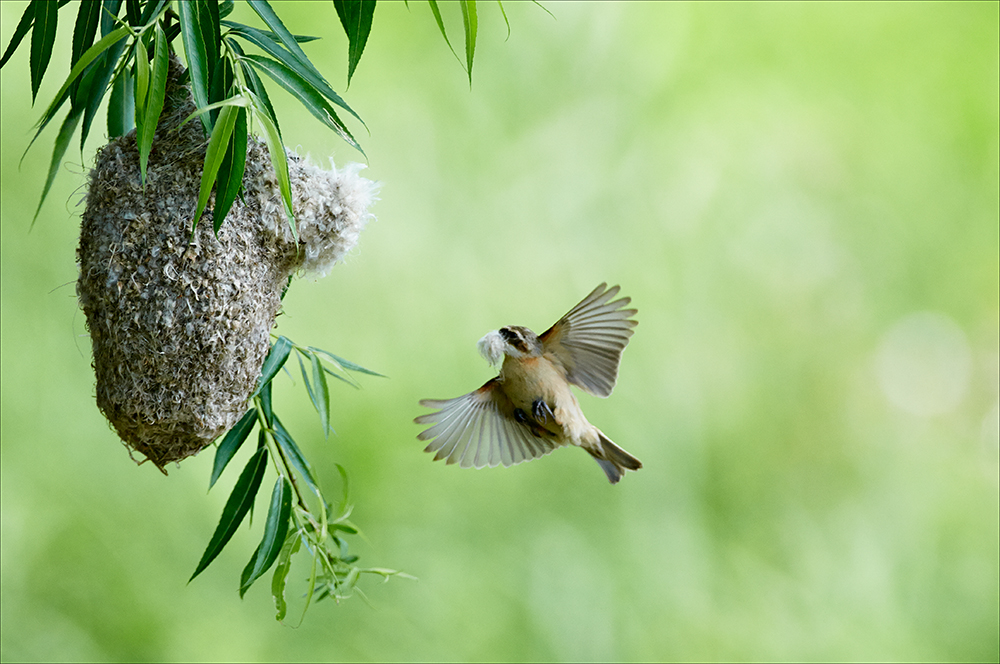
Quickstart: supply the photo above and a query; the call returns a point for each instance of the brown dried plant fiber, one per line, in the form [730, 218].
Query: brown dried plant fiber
[179, 325]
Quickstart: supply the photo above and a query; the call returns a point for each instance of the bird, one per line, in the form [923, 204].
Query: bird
[529, 410]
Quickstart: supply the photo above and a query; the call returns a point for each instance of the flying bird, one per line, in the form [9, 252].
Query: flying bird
[529, 409]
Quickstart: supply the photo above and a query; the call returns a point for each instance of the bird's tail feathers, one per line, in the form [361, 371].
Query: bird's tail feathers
[613, 460]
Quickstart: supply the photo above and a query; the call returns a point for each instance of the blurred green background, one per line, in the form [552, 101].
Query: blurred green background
[802, 201]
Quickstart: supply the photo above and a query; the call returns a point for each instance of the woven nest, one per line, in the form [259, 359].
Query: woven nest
[179, 324]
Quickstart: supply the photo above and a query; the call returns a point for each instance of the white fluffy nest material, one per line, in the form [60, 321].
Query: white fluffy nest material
[180, 328]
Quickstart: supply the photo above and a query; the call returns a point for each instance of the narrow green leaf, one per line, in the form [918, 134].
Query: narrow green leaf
[281, 570]
[256, 85]
[275, 530]
[236, 508]
[347, 364]
[504, 13]
[294, 455]
[356, 17]
[345, 492]
[273, 362]
[226, 8]
[279, 160]
[85, 28]
[543, 8]
[62, 141]
[27, 18]
[194, 48]
[231, 444]
[471, 24]
[208, 20]
[43, 36]
[266, 42]
[311, 588]
[238, 27]
[106, 42]
[154, 102]
[79, 92]
[265, 405]
[214, 155]
[307, 383]
[311, 98]
[272, 21]
[104, 68]
[141, 81]
[237, 102]
[346, 379]
[440, 23]
[345, 527]
[121, 116]
[322, 394]
[222, 84]
[230, 176]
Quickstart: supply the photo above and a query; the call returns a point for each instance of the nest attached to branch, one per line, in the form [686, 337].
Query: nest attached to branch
[180, 325]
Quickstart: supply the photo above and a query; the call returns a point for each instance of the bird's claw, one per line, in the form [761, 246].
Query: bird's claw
[541, 411]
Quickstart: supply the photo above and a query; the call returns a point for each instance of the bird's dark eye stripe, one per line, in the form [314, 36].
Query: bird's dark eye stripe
[509, 335]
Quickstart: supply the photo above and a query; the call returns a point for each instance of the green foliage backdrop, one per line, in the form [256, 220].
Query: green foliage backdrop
[801, 200]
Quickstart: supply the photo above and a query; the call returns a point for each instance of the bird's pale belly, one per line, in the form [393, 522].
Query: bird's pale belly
[527, 380]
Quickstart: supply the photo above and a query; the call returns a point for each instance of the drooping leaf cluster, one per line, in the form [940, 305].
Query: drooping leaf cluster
[130, 60]
[298, 513]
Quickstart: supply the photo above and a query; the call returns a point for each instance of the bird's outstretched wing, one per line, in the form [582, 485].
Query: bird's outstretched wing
[589, 340]
[481, 429]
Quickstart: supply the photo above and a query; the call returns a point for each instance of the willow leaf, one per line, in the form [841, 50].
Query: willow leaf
[141, 82]
[236, 508]
[85, 28]
[62, 141]
[281, 575]
[231, 444]
[104, 68]
[27, 18]
[266, 42]
[356, 17]
[347, 364]
[194, 48]
[301, 39]
[231, 170]
[275, 531]
[310, 97]
[272, 21]
[322, 394]
[471, 23]
[208, 20]
[214, 154]
[154, 102]
[121, 119]
[279, 160]
[91, 53]
[440, 23]
[273, 363]
[307, 383]
[43, 36]
[291, 450]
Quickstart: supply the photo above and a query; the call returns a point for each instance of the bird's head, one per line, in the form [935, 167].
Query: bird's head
[512, 340]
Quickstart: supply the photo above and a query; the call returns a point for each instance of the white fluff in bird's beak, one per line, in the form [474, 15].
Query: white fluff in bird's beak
[491, 346]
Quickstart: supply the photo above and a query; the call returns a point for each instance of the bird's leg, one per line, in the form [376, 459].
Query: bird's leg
[520, 416]
[541, 410]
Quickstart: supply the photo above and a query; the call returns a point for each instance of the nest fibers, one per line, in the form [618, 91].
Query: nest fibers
[180, 325]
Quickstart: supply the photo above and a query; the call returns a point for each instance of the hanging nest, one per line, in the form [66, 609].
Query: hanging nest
[180, 324]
